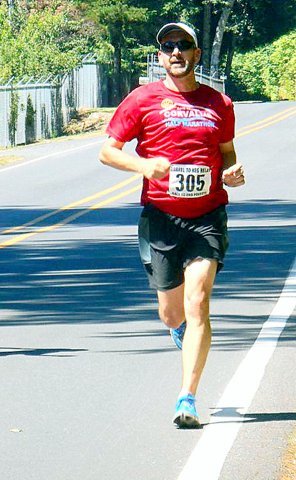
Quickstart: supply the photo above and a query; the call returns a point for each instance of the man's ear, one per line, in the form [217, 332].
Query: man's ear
[197, 55]
[160, 59]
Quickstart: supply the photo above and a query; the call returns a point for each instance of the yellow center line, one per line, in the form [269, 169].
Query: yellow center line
[266, 124]
[241, 132]
[268, 119]
[73, 205]
[70, 218]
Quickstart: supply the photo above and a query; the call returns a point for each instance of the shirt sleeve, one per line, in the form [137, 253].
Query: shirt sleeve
[228, 126]
[126, 121]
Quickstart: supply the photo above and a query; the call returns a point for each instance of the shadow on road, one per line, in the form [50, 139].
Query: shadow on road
[99, 278]
[232, 415]
[38, 352]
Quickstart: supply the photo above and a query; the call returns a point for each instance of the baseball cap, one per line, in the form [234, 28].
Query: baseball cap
[169, 27]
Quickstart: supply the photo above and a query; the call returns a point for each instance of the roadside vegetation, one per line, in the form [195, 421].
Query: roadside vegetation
[89, 120]
[252, 41]
[288, 468]
[36, 42]
[268, 72]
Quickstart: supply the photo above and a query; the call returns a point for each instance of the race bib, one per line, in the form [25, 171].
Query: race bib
[189, 181]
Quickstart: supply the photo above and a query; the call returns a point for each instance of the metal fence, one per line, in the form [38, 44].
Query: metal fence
[156, 72]
[32, 110]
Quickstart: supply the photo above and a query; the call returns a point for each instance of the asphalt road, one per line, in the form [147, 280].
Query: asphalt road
[89, 375]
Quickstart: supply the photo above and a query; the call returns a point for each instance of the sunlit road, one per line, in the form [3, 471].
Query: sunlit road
[89, 376]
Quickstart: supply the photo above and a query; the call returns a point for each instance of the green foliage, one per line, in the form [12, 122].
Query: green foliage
[41, 43]
[30, 121]
[42, 37]
[12, 123]
[281, 73]
[180, 10]
[119, 23]
[120, 40]
[267, 72]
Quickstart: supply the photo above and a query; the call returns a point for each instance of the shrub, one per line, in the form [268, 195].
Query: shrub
[268, 72]
[41, 43]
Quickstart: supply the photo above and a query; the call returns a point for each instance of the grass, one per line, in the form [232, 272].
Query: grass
[288, 469]
[89, 120]
[8, 159]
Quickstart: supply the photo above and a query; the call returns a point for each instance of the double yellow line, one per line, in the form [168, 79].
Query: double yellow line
[23, 236]
[266, 122]
[71, 206]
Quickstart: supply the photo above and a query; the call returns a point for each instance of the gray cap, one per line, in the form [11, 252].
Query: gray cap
[169, 27]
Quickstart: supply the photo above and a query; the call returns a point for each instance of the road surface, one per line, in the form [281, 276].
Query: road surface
[89, 375]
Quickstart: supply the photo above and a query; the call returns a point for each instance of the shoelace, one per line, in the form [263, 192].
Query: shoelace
[181, 329]
[189, 399]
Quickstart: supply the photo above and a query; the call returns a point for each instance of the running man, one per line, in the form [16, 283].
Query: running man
[186, 155]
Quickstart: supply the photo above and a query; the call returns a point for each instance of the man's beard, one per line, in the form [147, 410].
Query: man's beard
[180, 70]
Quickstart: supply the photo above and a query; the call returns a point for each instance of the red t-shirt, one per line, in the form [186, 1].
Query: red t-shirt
[187, 129]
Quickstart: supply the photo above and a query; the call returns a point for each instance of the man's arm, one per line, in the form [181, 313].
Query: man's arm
[232, 172]
[112, 155]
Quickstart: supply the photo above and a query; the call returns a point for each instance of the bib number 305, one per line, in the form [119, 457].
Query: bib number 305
[189, 181]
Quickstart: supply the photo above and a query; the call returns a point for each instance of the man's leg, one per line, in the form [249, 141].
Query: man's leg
[199, 280]
[171, 306]
[191, 301]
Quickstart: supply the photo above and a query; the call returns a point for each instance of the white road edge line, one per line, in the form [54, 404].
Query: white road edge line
[23, 163]
[209, 455]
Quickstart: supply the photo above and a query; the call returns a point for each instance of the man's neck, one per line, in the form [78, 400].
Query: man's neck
[185, 84]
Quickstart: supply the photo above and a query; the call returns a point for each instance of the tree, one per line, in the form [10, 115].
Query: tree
[267, 72]
[49, 36]
[36, 43]
[207, 17]
[116, 20]
[237, 25]
[217, 43]
[253, 23]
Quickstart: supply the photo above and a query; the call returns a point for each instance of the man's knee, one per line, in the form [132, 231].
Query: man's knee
[197, 306]
[199, 280]
[172, 317]
[171, 306]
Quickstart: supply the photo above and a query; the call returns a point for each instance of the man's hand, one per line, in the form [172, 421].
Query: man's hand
[234, 176]
[157, 167]
[112, 154]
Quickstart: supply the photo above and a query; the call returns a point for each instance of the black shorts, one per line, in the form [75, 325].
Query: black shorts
[168, 243]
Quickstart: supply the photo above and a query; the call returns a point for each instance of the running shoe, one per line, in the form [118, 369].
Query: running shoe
[177, 335]
[186, 415]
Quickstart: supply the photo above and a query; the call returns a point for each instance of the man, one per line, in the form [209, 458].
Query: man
[185, 145]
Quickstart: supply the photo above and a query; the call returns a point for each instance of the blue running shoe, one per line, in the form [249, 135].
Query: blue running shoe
[186, 414]
[177, 335]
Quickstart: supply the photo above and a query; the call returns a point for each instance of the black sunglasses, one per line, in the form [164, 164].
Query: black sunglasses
[182, 45]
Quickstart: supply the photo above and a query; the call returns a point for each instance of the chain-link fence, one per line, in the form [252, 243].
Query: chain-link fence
[32, 110]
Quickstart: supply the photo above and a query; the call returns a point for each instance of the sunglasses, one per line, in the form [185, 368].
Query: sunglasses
[182, 45]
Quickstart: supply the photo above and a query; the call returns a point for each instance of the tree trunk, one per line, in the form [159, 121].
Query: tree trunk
[117, 74]
[10, 5]
[116, 41]
[216, 48]
[230, 54]
[206, 45]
